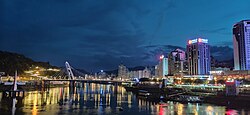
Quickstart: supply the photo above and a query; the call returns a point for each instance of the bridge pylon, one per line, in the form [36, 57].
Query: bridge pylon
[69, 71]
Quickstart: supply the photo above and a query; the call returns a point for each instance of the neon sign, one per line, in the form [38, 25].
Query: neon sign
[199, 40]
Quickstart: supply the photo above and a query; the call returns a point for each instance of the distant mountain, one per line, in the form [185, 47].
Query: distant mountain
[222, 53]
[10, 62]
[112, 72]
[136, 68]
[225, 63]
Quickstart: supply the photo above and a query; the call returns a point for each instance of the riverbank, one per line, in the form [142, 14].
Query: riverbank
[174, 94]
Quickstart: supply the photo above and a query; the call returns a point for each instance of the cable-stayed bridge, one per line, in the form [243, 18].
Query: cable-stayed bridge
[73, 75]
[68, 72]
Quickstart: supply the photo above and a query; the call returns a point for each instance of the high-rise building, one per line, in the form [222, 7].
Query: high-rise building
[141, 73]
[177, 63]
[122, 72]
[156, 74]
[146, 73]
[162, 67]
[198, 57]
[241, 42]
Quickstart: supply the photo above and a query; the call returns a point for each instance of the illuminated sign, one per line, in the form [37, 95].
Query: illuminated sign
[192, 41]
[216, 72]
[199, 40]
[203, 40]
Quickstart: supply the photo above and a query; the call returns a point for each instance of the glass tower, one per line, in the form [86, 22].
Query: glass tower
[241, 42]
[198, 57]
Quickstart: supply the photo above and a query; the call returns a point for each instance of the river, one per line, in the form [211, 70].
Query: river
[101, 99]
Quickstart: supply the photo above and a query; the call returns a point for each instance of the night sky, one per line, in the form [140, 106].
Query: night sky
[101, 34]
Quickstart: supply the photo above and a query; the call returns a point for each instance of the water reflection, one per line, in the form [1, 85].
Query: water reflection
[90, 98]
[10, 106]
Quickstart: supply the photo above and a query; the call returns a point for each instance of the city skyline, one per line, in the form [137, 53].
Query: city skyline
[101, 35]
[125, 57]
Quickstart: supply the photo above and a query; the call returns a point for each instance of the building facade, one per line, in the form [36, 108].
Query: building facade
[102, 74]
[177, 64]
[122, 72]
[162, 67]
[145, 73]
[241, 42]
[198, 57]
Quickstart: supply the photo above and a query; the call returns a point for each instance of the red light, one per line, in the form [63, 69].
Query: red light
[231, 112]
[162, 56]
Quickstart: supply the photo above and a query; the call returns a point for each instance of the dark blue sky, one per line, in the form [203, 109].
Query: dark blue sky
[100, 34]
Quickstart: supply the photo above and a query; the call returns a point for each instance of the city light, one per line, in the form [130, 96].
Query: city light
[161, 57]
[199, 40]
[166, 65]
[189, 41]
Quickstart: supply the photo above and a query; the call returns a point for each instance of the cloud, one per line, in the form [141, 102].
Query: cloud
[222, 30]
[220, 53]
[90, 34]
[100, 34]
[154, 51]
[225, 43]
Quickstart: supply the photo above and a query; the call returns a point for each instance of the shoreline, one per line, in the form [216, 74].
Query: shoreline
[239, 101]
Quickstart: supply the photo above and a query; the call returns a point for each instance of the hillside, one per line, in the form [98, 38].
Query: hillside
[9, 62]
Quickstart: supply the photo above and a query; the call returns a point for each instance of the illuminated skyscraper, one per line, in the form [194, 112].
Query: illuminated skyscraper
[162, 68]
[198, 57]
[241, 41]
[177, 63]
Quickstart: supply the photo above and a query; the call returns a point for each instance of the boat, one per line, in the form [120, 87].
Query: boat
[143, 93]
[187, 99]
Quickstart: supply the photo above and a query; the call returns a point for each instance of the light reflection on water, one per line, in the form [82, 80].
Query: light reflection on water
[100, 99]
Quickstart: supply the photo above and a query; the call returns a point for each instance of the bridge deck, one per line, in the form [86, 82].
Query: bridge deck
[87, 80]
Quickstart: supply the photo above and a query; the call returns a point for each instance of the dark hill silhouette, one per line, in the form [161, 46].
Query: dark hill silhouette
[10, 62]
